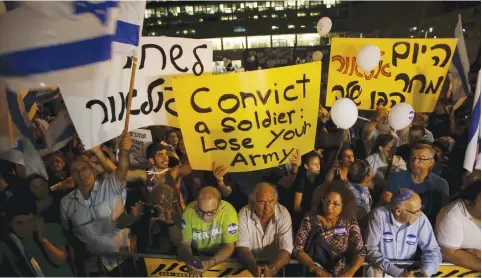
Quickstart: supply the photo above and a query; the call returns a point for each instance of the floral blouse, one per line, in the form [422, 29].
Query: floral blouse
[338, 237]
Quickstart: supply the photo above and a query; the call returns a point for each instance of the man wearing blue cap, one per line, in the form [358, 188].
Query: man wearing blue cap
[395, 231]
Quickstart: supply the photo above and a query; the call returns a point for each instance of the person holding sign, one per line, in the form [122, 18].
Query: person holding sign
[265, 232]
[93, 204]
[210, 227]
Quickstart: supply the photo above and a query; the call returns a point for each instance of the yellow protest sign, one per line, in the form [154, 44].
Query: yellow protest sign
[410, 70]
[171, 267]
[250, 120]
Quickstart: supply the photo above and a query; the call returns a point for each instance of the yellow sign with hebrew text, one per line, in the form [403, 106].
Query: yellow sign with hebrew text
[410, 70]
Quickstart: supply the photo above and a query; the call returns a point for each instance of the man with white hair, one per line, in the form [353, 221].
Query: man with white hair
[265, 232]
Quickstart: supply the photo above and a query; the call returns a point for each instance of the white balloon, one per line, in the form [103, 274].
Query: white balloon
[401, 116]
[323, 26]
[344, 113]
[368, 57]
[317, 56]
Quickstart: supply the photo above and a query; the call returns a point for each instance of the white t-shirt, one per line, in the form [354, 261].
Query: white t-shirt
[456, 229]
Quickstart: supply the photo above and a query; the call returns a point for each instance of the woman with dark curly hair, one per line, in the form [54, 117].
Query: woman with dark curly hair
[322, 242]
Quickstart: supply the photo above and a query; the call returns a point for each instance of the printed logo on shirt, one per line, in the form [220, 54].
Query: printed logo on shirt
[387, 237]
[198, 235]
[340, 231]
[232, 228]
[411, 239]
[183, 223]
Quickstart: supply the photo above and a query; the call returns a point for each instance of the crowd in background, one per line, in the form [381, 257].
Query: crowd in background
[366, 194]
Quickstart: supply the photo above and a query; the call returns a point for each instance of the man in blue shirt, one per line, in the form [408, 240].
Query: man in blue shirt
[433, 190]
[395, 231]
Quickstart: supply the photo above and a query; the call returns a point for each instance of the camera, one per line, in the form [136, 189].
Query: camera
[151, 211]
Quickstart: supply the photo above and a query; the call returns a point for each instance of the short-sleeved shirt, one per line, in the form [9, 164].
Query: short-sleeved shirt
[265, 243]
[456, 229]
[53, 233]
[304, 186]
[209, 237]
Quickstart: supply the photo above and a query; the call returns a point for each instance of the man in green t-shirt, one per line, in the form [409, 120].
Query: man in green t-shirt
[210, 226]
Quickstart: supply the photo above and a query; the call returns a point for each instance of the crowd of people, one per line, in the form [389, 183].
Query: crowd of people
[363, 195]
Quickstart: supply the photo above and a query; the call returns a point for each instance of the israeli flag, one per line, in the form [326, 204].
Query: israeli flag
[472, 154]
[129, 27]
[52, 43]
[459, 69]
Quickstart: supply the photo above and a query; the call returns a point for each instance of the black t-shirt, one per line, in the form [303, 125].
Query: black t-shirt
[303, 185]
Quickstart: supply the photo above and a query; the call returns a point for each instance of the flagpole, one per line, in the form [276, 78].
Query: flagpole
[129, 97]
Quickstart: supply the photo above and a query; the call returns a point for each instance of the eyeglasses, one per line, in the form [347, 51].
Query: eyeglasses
[207, 213]
[333, 203]
[417, 212]
[421, 159]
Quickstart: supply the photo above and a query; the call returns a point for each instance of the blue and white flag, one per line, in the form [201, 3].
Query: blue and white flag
[51, 43]
[129, 27]
[472, 154]
[459, 69]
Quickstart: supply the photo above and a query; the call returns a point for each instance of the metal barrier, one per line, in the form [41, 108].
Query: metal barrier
[120, 256]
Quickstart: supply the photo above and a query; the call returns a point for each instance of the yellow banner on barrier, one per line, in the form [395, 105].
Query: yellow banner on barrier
[410, 70]
[455, 271]
[171, 267]
[251, 120]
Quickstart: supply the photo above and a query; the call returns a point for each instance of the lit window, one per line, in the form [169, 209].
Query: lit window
[177, 32]
[265, 16]
[291, 26]
[302, 26]
[239, 29]
[255, 16]
[184, 32]
[153, 33]
[251, 5]
[291, 4]
[308, 39]
[274, 16]
[233, 17]
[234, 43]
[201, 20]
[430, 30]
[314, 13]
[192, 31]
[259, 41]
[411, 36]
[216, 43]
[301, 14]
[189, 10]
[159, 22]
[274, 27]
[283, 40]
[223, 18]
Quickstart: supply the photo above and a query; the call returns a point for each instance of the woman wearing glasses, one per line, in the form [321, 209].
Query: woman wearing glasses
[321, 243]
